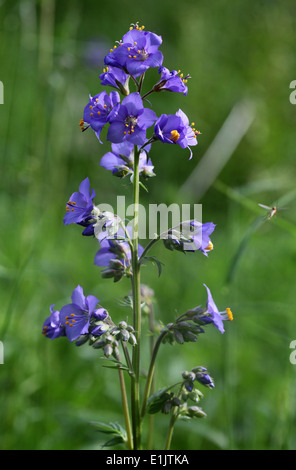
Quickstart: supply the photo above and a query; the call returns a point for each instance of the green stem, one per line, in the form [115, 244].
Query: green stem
[135, 392]
[150, 245]
[126, 411]
[151, 372]
[151, 416]
[173, 420]
[170, 431]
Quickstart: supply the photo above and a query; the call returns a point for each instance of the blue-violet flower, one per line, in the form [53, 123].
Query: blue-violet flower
[130, 120]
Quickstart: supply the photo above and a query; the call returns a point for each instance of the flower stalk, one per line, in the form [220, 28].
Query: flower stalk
[135, 394]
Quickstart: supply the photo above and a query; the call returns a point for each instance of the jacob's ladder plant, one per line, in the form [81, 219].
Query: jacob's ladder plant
[133, 128]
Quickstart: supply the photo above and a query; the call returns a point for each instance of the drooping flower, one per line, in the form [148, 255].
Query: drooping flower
[175, 129]
[171, 81]
[190, 236]
[130, 121]
[52, 327]
[203, 377]
[212, 314]
[121, 161]
[136, 52]
[80, 205]
[201, 236]
[116, 78]
[97, 111]
[76, 317]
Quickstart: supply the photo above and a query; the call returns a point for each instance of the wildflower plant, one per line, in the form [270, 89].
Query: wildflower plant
[133, 128]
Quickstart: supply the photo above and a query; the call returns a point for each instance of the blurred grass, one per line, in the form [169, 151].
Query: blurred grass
[50, 391]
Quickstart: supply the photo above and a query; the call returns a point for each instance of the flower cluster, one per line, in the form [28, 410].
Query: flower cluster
[132, 128]
[82, 317]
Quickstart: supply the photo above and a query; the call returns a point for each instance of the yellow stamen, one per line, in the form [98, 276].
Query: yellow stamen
[210, 246]
[99, 112]
[174, 136]
[90, 107]
[91, 114]
[67, 323]
[72, 314]
[229, 314]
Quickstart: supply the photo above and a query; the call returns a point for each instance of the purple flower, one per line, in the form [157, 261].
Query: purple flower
[213, 315]
[130, 120]
[205, 379]
[121, 161]
[52, 327]
[201, 236]
[97, 111]
[115, 255]
[136, 52]
[190, 236]
[116, 78]
[77, 316]
[175, 129]
[80, 205]
[171, 81]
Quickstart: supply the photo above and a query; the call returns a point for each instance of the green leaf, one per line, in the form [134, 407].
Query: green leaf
[114, 429]
[154, 260]
[113, 442]
[117, 364]
[111, 428]
[143, 186]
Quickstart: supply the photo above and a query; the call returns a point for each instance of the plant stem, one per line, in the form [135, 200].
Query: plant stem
[170, 432]
[173, 419]
[135, 395]
[125, 411]
[151, 372]
[151, 416]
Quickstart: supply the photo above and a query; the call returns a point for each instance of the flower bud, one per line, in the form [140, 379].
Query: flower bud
[132, 339]
[178, 337]
[124, 335]
[195, 412]
[108, 350]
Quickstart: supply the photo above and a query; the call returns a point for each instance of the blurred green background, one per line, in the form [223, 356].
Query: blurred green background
[241, 58]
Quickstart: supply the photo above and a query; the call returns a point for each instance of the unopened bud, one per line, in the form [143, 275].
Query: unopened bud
[108, 350]
[195, 412]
